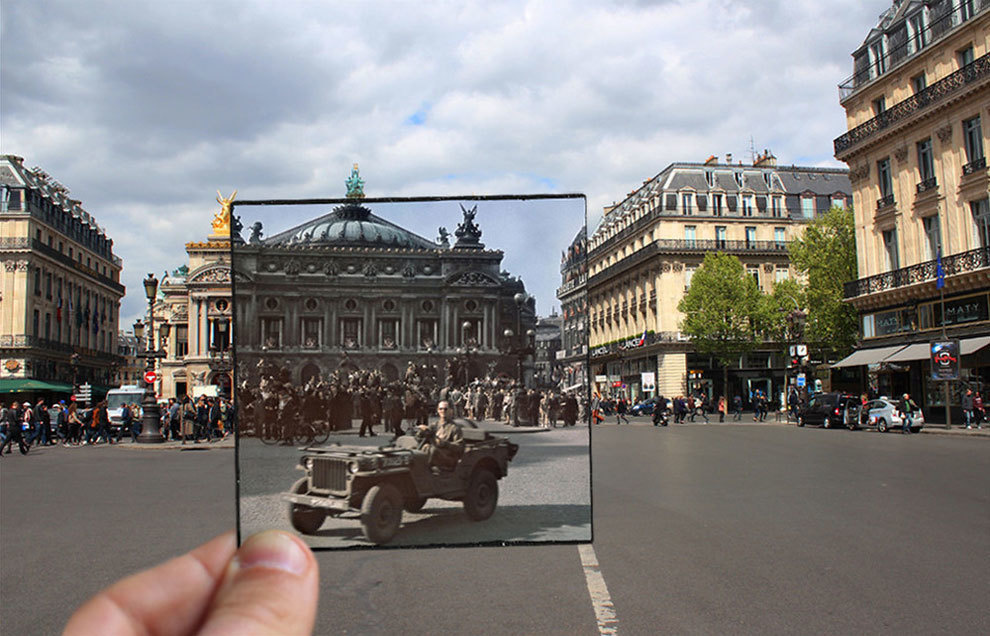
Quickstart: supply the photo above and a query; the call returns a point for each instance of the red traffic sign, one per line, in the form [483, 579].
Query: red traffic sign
[150, 377]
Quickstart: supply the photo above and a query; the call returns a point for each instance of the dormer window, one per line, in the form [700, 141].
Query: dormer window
[739, 179]
[710, 178]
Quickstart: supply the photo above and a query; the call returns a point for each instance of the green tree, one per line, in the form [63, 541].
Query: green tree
[722, 311]
[781, 310]
[826, 255]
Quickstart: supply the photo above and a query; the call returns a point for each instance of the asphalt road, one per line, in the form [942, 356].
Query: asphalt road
[698, 530]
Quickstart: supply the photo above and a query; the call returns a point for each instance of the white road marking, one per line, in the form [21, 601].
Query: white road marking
[600, 599]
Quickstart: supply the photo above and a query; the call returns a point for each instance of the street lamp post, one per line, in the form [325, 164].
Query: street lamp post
[795, 321]
[151, 416]
[520, 300]
[219, 351]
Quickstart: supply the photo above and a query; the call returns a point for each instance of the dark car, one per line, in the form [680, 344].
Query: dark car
[831, 410]
[380, 483]
[646, 407]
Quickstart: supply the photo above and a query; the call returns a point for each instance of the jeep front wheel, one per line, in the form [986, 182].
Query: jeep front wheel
[381, 513]
[482, 495]
[305, 519]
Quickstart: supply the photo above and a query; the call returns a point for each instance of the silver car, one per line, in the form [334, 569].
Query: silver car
[883, 414]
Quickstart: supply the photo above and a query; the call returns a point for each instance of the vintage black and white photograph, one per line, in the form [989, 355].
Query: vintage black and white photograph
[402, 372]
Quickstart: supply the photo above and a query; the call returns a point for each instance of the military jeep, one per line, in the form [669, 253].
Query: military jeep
[379, 483]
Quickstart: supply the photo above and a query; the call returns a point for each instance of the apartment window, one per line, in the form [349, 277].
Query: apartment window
[839, 202]
[981, 221]
[926, 166]
[890, 250]
[919, 83]
[271, 333]
[720, 237]
[768, 178]
[973, 138]
[884, 179]
[688, 275]
[426, 331]
[965, 56]
[754, 271]
[690, 234]
[717, 204]
[37, 235]
[48, 326]
[48, 285]
[747, 205]
[779, 274]
[350, 333]
[933, 237]
[35, 326]
[750, 236]
[879, 105]
[808, 206]
[739, 179]
[61, 247]
[37, 281]
[878, 59]
[686, 204]
[775, 206]
[919, 36]
[966, 10]
[778, 237]
[312, 332]
[70, 253]
[710, 178]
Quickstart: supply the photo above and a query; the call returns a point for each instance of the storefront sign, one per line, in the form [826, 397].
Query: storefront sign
[648, 380]
[601, 379]
[945, 360]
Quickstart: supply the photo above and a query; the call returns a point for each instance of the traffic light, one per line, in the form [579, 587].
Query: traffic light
[795, 361]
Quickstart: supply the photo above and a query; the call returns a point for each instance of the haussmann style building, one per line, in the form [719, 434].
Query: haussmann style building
[60, 289]
[644, 252]
[573, 297]
[917, 110]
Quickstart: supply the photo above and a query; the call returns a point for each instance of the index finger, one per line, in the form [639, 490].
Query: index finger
[170, 598]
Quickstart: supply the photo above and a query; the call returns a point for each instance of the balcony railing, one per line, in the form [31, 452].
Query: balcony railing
[23, 242]
[884, 202]
[940, 91]
[975, 166]
[21, 341]
[687, 246]
[637, 342]
[922, 272]
[926, 185]
[572, 284]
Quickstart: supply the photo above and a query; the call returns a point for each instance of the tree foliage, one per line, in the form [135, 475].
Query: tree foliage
[776, 319]
[826, 255]
[722, 308]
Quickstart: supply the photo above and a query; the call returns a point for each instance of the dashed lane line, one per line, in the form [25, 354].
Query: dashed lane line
[600, 599]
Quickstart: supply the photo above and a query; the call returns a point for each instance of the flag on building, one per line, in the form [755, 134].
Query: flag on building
[642, 340]
[939, 272]
[58, 308]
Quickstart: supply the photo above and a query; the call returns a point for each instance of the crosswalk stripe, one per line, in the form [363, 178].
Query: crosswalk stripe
[600, 599]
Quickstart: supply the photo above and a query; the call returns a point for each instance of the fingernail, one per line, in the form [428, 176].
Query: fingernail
[275, 550]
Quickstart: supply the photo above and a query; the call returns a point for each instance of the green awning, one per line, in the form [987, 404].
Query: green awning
[16, 385]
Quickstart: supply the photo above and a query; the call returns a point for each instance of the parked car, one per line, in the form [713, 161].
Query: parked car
[831, 410]
[645, 407]
[883, 414]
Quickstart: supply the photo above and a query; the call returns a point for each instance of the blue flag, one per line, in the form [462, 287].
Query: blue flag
[939, 272]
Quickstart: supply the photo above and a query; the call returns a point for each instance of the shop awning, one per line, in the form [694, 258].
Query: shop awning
[16, 385]
[867, 356]
[916, 351]
[972, 345]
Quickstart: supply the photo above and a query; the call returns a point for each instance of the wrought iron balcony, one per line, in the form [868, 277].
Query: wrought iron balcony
[939, 92]
[970, 261]
[926, 185]
[18, 242]
[883, 202]
[975, 166]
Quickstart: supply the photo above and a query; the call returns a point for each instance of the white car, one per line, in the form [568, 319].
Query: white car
[883, 414]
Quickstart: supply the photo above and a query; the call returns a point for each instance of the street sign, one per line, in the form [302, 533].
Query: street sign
[601, 379]
[150, 377]
[802, 350]
[84, 393]
[801, 380]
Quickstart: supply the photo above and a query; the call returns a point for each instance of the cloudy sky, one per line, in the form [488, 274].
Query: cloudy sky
[145, 109]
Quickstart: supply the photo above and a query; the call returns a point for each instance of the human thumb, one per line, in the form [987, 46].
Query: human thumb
[270, 587]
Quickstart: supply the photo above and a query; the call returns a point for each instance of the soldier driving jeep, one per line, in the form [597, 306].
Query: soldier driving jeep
[443, 441]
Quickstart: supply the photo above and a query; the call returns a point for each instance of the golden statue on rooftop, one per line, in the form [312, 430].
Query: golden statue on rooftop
[221, 222]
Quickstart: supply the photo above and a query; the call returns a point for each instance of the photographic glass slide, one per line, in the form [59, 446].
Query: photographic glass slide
[404, 372]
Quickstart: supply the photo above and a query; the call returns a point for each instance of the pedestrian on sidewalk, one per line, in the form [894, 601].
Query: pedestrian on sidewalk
[620, 411]
[967, 408]
[907, 407]
[721, 408]
[978, 411]
[737, 408]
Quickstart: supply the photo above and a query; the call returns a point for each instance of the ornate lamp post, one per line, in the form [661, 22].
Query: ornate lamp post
[220, 352]
[149, 406]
